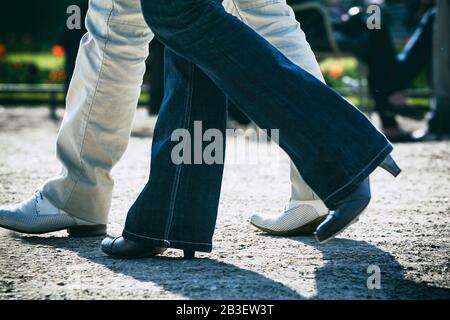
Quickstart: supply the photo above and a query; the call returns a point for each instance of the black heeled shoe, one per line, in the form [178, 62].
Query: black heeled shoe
[122, 248]
[349, 209]
[189, 254]
[390, 166]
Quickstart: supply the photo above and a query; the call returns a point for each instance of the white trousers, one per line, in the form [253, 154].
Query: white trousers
[106, 85]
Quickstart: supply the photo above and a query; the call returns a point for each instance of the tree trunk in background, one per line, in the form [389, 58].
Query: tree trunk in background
[441, 61]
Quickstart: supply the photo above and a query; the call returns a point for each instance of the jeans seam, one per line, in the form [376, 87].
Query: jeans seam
[238, 11]
[118, 22]
[258, 4]
[352, 179]
[165, 240]
[357, 175]
[179, 168]
[77, 179]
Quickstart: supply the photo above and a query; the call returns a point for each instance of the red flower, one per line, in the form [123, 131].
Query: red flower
[2, 50]
[58, 51]
[336, 71]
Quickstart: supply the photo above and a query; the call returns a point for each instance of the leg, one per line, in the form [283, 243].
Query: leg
[383, 75]
[101, 102]
[333, 144]
[178, 206]
[177, 223]
[390, 73]
[417, 53]
[275, 21]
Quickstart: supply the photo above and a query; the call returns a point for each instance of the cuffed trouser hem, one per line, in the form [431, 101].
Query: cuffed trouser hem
[173, 244]
[99, 215]
[332, 200]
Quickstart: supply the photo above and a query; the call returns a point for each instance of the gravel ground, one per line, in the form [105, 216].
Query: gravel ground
[405, 232]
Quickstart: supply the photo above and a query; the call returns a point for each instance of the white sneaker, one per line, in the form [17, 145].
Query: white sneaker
[298, 218]
[37, 216]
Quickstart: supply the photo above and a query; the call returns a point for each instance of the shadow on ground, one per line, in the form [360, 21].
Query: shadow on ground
[193, 279]
[346, 267]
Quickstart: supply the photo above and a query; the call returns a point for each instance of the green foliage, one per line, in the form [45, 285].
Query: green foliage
[29, 25]
[21, 73]
[31, 68]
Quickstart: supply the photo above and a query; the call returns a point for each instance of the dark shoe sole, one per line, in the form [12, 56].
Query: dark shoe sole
[87, 231]
[307, 229]
[75, 232]
[188, 255]
[323, 241]
[133, 257]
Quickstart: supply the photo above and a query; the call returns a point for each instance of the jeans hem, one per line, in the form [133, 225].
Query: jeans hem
[332, 200]
[173, 244]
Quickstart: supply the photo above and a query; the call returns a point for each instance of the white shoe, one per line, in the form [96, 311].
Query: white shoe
[298, 218]
[37, 216]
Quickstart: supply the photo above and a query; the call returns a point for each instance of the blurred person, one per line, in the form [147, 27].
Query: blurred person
[389, 73]
[438, 119]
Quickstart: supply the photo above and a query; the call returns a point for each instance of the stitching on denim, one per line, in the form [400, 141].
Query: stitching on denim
[141, 236]
[251, 80]
[125, 23]
[238, 11]
[214, 46]
[258, 4]
[179, 241]
[241, 16]
[107, 40]
[179, 168]
[356, 176]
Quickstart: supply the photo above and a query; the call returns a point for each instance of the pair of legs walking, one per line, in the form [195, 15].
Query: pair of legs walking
[106, 86]
[315, 124]
[102, 100]
[332, 143]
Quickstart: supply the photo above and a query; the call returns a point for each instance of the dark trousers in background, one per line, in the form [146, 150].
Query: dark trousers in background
[439, 117]
[389, 72]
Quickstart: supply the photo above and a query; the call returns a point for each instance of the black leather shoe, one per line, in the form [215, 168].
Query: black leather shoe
[122, 248]
[349, 209]
[347, 212]
[126, 249]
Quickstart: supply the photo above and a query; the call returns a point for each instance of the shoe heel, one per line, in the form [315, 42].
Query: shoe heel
[390, 166]
[87, 231]
[189, 254]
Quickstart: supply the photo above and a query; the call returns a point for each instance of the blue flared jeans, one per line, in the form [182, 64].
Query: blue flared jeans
[212, 56]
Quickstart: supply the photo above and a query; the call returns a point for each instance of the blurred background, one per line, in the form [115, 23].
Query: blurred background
[398, 75]
[386, 72]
